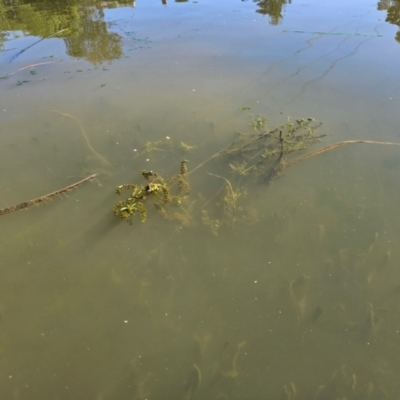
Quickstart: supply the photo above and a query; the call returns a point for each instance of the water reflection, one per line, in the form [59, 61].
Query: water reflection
[93, 41]
[80, 23]
[393, 13]
[273, 8]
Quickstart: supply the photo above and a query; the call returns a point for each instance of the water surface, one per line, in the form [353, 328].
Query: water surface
[298, 300]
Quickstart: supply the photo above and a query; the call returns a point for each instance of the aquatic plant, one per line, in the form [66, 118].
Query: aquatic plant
[258, 153]
[157, 189]
[264, 152]
[159, 145]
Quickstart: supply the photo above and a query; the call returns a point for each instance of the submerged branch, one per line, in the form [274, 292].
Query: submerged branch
[338, 144]
[38, 200]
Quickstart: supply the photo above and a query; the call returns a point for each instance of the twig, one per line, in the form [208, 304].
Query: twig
[101, 158]
[43, 198]
[27, 67]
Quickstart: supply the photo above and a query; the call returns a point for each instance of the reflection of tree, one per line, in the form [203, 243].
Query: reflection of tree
[273, 8]
[81, 23]
[42, 20]
[93, 41]
[393, 13]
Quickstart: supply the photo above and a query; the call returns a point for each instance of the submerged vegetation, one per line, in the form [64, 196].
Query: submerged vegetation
[256, 156]
[157, 190]
[354, 312]
[263, 152]
[260, 154]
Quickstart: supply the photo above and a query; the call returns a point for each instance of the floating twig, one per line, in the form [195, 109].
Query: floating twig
[38, 200]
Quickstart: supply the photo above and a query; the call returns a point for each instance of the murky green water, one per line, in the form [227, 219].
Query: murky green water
[299, 299]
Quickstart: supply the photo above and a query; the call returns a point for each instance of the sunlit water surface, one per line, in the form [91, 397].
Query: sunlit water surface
[299, 300]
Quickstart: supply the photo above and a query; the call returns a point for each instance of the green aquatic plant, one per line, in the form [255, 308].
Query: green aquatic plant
[166, 144]
[156, 189]
[159, 145]
[134, 204]
[260, 154]
[266, 152]
[181, 207]
[231, 207]
[212, 224]
[186, 148]
[258, 123]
